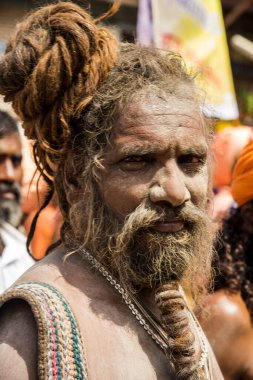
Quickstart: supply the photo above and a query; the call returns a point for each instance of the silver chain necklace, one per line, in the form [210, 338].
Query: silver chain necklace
[160, 339]
[127, 299]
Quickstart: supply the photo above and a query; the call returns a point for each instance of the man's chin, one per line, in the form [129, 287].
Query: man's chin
[144, 252]
[157, 257]
[10, 212]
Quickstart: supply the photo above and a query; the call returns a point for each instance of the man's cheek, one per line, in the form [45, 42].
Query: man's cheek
[123, 198]
[200, 192]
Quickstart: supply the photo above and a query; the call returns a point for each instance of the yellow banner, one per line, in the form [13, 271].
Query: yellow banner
[195, 29]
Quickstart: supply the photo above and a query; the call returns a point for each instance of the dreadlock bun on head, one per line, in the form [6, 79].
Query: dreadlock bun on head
[51, 69]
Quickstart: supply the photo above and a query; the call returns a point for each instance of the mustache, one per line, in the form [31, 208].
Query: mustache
[145, 216]
[8, 187]
[187, 213]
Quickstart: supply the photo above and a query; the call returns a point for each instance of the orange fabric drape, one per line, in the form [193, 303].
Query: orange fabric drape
[242, 177]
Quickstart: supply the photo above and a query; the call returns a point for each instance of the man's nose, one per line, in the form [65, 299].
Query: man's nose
[170, 187]
[7, 171]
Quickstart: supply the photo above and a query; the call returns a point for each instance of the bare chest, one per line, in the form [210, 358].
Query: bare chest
[122, 352]
[116, 345]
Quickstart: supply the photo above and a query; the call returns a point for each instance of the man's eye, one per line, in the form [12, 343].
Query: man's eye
[2, 158]
[16, 160]
[191, 161]
[134, 159]
[134, 163]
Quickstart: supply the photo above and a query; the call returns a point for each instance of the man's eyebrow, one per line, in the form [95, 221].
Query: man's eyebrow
[198, 150]
[152, 148]
[139, 149]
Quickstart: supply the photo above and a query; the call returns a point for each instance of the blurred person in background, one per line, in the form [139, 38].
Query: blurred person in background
[229, 318]
[227, 146]
[34, 191]
[48, 225]
[14, 259]
[10, 170]
[49, 222]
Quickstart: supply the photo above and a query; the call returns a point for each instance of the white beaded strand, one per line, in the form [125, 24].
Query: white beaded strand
[202, 339]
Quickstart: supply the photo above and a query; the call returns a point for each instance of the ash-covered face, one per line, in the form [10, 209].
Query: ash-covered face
[158, 151]
[155, 186]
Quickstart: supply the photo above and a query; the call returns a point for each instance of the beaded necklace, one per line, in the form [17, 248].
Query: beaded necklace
[159, 335]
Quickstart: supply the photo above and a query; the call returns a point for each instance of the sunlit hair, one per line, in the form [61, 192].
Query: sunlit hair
[69, 80]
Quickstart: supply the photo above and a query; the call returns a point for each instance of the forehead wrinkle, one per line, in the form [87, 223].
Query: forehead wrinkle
[152, 113]
[144, 147]
[150, 120]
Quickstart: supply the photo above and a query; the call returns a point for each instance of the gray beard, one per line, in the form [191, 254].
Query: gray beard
[10, 212]
[141, 258]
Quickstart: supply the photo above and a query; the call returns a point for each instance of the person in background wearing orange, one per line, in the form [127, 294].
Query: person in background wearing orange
[227, 146]
[229, 319]
[47, 229]
[34, 190]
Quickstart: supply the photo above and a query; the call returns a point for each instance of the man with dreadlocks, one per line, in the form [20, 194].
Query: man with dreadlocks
[230, 309]
[14, 259]
[119, 134]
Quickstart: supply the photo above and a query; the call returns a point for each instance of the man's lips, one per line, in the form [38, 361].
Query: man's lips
[8, 195]
[168, 226]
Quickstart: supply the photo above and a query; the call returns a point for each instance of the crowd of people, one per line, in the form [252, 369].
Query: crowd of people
[139, 274]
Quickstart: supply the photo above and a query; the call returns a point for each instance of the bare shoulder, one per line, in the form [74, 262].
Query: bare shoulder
[18, 342]
[228, 309]
[47, 269]
[70, 275]
[228, 327]
[18, 328]
[58, 268]
[226, 318]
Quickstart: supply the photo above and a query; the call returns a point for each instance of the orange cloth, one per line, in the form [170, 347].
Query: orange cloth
[47, 230]
[226, 147]
[242, 177]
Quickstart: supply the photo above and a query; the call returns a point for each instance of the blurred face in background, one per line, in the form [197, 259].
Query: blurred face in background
[10, 178]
